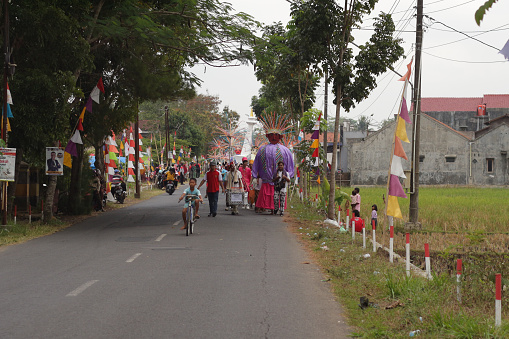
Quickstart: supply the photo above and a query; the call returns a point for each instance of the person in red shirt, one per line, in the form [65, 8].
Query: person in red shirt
[246, 177]
[214, 180]
[357, 221]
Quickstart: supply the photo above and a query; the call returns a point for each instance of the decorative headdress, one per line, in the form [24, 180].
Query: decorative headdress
[277, 124]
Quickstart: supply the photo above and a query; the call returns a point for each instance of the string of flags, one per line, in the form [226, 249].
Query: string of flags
[70, 149]
[315, 137]
[395, 189]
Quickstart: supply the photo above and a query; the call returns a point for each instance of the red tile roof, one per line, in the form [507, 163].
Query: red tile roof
[464, 104]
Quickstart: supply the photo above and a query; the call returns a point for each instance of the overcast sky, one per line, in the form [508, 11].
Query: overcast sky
[453, 64]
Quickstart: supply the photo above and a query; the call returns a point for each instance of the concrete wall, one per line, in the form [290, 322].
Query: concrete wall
[493, 145]
[369, 159]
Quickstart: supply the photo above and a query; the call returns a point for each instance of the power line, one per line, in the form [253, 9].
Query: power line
[468, 36]
[464, 61]
[491, 30]
[445, 9]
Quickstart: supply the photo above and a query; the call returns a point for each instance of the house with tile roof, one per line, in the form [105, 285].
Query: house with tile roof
[454, 150]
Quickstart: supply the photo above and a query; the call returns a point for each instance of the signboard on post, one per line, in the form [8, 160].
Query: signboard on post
[7, 164]
[54, 160]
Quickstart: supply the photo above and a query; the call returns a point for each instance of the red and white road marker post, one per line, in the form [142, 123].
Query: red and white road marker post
[29, 214]
[347, 218]
[374, 235]
[15, 213]
[339, 215]
[407, 248]
[364, 234]
[353, 227]
[458, 280]
[428, 262]
[391, 243]
[301, 196]
[498, 300]
[316, 200]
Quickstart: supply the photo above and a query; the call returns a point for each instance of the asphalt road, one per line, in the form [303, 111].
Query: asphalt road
[131, 273]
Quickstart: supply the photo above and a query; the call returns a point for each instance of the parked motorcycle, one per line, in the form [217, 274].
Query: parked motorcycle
[170, 188]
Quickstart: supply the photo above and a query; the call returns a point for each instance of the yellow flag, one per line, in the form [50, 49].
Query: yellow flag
[82, 115]
[67, 160]
[315, 144]
[318, 180]
[401, 130]
[393, 207]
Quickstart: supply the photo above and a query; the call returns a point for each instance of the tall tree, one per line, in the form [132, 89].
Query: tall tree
[329, 26]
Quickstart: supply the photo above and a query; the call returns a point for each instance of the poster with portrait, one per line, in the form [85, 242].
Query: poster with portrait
[54, 161]
[7, 164]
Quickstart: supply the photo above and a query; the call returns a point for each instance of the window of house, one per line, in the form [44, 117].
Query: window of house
[490, 165]
[421, 158]
[450, 158]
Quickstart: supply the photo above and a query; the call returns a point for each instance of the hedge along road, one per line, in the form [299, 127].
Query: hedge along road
[131, 273]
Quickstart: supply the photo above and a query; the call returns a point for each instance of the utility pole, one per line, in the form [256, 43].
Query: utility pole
[414, 176]
[7, 60]
[166, 133]
[137, 153]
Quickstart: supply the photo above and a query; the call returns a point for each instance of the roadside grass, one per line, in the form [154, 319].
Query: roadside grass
[398, 304]
[23, 231]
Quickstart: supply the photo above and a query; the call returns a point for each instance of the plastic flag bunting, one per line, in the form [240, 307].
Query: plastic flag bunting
[9, 96]
[396, 171]
[301, 135]
[94, 95]
[504, 51]
[315, 137]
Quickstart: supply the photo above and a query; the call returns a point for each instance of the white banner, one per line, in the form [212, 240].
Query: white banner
[7, 164]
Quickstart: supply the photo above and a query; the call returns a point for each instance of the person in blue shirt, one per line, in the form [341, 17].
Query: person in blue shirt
[191, 190]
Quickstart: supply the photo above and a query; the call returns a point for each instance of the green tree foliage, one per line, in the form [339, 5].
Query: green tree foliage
[481, 11]
[142, 49]
[288, 79]
[328, 27]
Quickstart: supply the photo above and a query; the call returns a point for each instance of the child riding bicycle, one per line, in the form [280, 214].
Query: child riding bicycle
[191, 190]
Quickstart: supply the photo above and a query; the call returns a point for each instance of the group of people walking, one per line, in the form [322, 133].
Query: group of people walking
[232, 179]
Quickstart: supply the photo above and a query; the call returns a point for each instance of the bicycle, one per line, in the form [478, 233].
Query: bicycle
[191, 200]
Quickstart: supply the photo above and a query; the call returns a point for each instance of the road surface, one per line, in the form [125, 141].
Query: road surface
[131, 273]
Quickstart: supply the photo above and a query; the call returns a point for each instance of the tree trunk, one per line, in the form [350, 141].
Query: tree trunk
[75, 187]
[49, 198]
[99, 159]
[331, 210]
[304, 183]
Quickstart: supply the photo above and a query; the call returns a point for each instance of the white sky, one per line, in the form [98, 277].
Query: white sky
[485, 73]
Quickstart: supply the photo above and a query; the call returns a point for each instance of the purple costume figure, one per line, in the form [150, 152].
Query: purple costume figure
[265, 163]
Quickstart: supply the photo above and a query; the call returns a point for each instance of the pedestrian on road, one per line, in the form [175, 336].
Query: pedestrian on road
[234, 183]
[353, 200]
[214, 180]
[246, 179]
[281, 180]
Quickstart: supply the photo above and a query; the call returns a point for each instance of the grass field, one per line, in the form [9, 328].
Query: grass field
[399, 304]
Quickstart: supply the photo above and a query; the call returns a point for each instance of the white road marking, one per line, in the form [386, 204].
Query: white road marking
[82, 288]
[176, 222]
[131, 259]
[161, 237]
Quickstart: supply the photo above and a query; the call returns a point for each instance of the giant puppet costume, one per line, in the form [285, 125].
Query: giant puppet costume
[265, 163]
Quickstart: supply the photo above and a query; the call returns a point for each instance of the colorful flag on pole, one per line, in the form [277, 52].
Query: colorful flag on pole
[396, 171]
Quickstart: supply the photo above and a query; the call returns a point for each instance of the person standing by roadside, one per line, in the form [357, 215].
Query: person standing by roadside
[353, 200]
[214, 180]
[358, 206]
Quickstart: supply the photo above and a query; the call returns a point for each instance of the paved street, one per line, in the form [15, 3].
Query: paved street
[131, 273]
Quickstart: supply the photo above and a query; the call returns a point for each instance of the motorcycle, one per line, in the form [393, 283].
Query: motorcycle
[120, 195]
[118, 189]
[170, 188]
